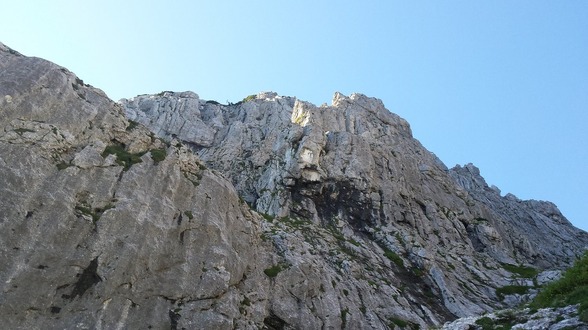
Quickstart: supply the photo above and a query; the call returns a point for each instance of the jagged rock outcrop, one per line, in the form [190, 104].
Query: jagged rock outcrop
[355, 166]
[105, 223]
[519, 319]
[538, 232]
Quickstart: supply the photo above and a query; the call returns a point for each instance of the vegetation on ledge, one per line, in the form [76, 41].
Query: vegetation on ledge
[570, 289]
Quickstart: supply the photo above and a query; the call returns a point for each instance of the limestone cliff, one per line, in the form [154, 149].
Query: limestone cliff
[168, 211]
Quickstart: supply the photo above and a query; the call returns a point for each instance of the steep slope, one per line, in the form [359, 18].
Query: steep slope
[354, 167]
[101, 224]
[105, 225]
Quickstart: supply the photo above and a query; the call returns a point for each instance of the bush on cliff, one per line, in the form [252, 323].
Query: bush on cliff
[570, 289]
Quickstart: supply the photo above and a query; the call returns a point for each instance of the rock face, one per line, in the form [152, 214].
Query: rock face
[168, 211]
[356, 168]
[542, 319]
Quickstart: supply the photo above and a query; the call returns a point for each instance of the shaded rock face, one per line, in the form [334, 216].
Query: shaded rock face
[168, 211]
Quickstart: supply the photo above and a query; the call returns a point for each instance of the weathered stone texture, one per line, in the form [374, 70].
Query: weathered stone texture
[272, 212]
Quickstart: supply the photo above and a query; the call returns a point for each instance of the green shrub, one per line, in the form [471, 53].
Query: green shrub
[249, 98]
[273, 271]
[504, 321]
[511, 289]
[123, 157]
[95, 213]
[397, 323]
[193, 177]
[268, 217]
[87, 211]
[354, 242]
[344, 313]
[158, 155]
[486, 323]
[570, 289]
[418, 272]
[395, 258]
[522, 271]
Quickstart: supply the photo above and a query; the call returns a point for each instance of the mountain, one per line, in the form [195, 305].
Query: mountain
[169, 211]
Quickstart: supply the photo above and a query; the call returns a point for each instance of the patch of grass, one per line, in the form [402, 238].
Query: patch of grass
[396, 322]
[363, 309]
[157, 155]
[511, 289]
[344, 313]
[189, 214]
[212, 102]
[521, 271]
[87, 211]
[273, 271]
[417, 271]
[395, 258]
[123, 157]
[267, 217]
[354, 242]
[570, 289]
[249, 98]
[486, 323]
[346, 250]
[95, 213]
[503, 321]
[507, 319]
[193, 177]
[294, 222]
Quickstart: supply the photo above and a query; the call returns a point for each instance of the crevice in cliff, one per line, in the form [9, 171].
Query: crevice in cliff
[274, 322]
[87, 279]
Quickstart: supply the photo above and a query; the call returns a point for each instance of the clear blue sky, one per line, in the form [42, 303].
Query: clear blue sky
[501, 84]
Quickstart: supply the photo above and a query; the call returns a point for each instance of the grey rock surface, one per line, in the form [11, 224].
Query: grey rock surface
[537, 229]
[527, 319]
[92, 238]
[168, 211]
[354, 166]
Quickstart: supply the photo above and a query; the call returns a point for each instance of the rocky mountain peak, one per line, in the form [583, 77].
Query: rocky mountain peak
[170, 211]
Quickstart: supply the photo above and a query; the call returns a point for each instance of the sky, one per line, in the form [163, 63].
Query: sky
[500, 84]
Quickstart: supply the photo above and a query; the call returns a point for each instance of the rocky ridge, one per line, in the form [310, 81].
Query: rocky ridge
[168, 211]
